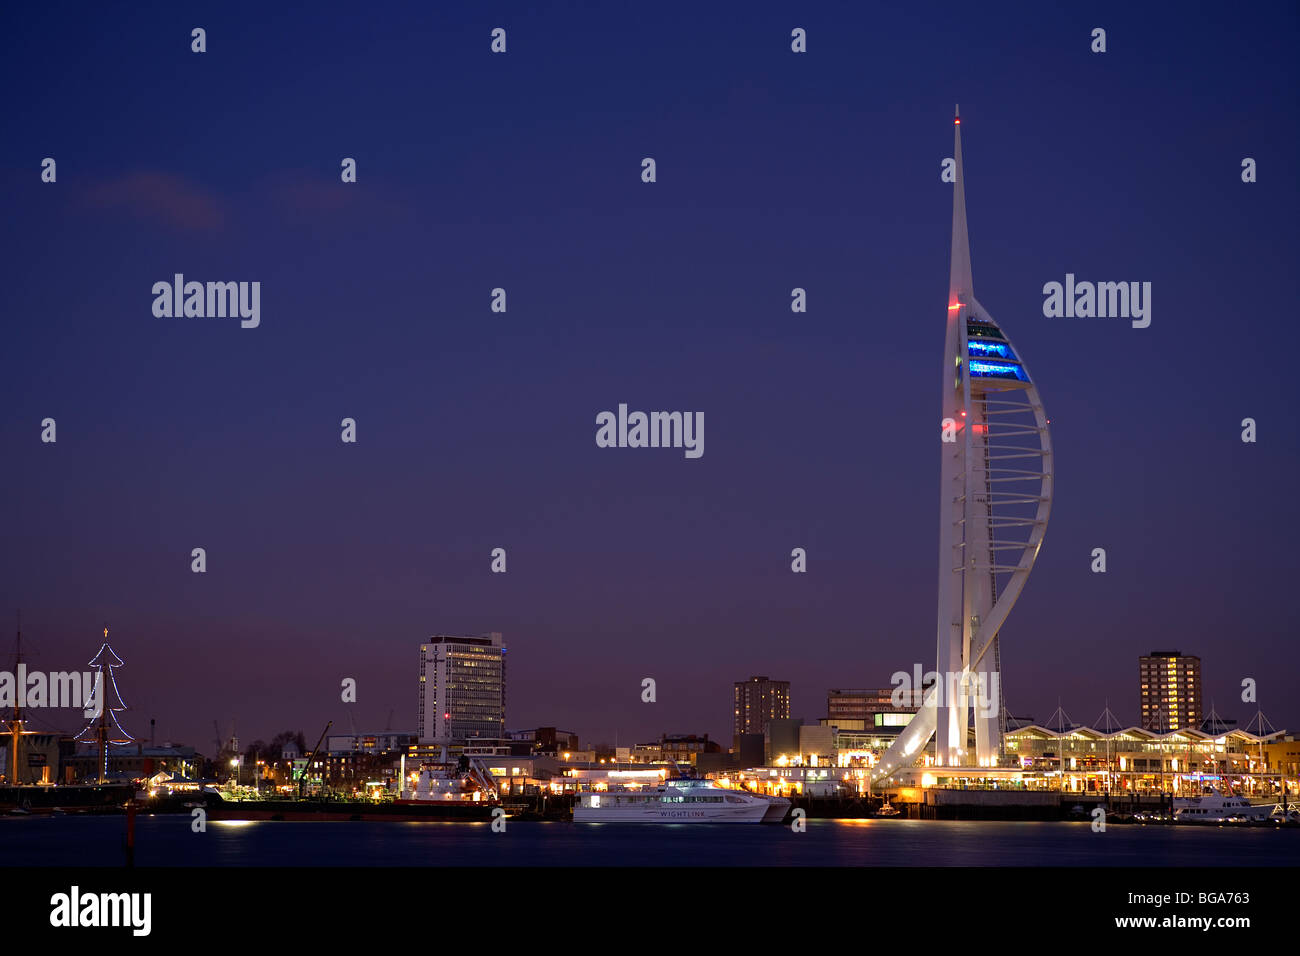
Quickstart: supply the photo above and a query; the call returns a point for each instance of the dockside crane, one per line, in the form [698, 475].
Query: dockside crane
[303, 779]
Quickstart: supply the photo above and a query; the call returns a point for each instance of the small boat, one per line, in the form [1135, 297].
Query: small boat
[887, 810]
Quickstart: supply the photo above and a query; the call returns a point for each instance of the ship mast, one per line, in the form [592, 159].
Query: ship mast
[101, 730]
[16, 722]
[105, 660]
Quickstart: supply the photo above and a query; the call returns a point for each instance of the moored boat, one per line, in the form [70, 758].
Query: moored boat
[679, 800]
[1216, 807]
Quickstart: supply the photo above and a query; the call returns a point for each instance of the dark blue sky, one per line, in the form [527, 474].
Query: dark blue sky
[476, 430]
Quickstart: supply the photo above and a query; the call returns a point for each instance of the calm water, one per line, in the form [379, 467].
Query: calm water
[167, 841]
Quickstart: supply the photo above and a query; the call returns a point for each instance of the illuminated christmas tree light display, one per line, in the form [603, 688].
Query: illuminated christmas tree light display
[105, 728]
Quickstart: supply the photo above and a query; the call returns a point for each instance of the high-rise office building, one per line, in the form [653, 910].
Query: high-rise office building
[1170, 690]
[757, 701]
[462, 688]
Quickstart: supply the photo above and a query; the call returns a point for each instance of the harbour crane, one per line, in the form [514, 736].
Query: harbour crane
[315, 750]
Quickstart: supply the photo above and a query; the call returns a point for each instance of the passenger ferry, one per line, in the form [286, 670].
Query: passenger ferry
[679, 800]
[1214, 807]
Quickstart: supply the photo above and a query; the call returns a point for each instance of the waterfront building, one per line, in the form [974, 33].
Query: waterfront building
[1119, 762]
[794, 779]
[388, 740]
[1281, 755]
[859, 743]
[996, 480]
[682, 748]
[646, 753]
[781, 740]
[859, 704]
[43, 758]
[757, 701]
[685, 748]
[817, 745]
[546, 740]
[750, 750]
[137, 761]
[1169, 690]
[357, 773]
[462, 688]
[1139, 760]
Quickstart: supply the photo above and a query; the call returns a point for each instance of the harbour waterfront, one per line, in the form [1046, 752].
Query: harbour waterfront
[167, 840]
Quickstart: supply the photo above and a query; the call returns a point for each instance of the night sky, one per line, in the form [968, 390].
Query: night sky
[476, 429]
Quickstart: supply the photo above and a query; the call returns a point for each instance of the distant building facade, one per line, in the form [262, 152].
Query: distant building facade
[462, 688]
[41, 758]
[546, 740]
[1169, 690]
[1282, 755]
[134, 761]
[682, 748]
[388, 740]
[351, 772]
[750, 750]
[854, 705]
[817, 745]
[782, 740]
[758, 701]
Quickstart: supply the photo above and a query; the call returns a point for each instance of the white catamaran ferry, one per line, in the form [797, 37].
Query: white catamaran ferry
[680, 800]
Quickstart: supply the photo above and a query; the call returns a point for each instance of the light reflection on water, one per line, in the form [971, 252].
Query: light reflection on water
[168, 840]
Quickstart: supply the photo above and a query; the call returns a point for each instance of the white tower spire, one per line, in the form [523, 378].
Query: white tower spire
[960, 281]
[995, 496]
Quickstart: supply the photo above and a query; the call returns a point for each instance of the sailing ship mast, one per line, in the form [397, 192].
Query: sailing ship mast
[16, 721]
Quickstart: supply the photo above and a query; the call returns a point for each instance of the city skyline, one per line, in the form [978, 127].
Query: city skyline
[475, 429]
[45, 719]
